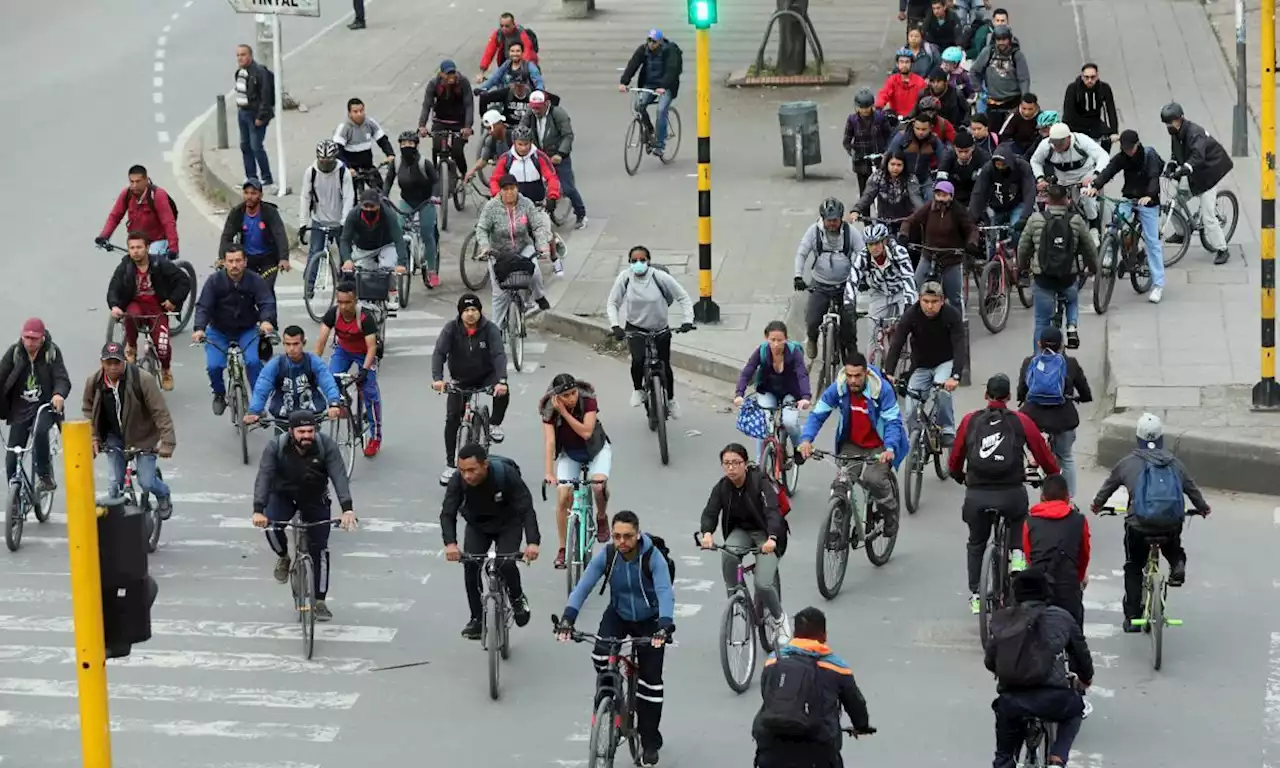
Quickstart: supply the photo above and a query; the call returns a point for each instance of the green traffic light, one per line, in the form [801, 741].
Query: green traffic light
[702, 13]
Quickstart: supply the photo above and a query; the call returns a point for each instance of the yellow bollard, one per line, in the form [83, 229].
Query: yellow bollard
[705, 310]
[86, 595]
[1266, 393]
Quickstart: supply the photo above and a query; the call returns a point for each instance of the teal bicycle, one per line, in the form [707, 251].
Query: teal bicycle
[580, 527]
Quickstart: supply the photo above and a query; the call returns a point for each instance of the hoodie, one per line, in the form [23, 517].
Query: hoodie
[1128, 471]
[519, 227]
[943, 33]
[839, 693]
[1004, 74]
[1054, 531]
[1141, 174]
[942, 226]
[284, 386]
[476, 356]
[641, 300]
[1059, 633]
[1007, 191]
[899, 96]
[632, 596]
[963, 176]
[831, 252]
[1020, 131]
[1091, 111]
[882, 410]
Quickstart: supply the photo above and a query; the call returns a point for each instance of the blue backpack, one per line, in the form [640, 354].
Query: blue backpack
[792, 347]
[1047, 379]
[1158, 497]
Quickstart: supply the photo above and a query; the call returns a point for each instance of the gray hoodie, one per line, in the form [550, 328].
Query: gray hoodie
[1005, 76]
[639, 301]
[832, 263]
[1128, 471]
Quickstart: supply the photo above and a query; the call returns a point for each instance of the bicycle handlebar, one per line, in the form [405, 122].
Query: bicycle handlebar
[111, 248]
[654, 91]
[333, 521]
[273, 338]
[582, 637]
[655, 334]
[451, 388]
[738, 552]
[467, 557]
[575, 483]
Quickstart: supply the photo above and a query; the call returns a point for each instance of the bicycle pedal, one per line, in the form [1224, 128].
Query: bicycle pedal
[1173, 622]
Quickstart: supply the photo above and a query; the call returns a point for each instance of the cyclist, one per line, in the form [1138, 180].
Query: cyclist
[448, 96]
[574, 438]
[553, 130]
[1020, 130]
[1054, 246]
[125, 409]
[951, 108]
[356, 135]
[420, 192]
[807, 654]
[781, 378]
[657, 65]
[514, 65]
[641, 604]
[951, 63]
[328, 194]
[942, 28]
[1090, 107]
[744, 504]
[930, 108]
[1056, 540]
[234, 305]
[961, 167]
[372, 238]
[978, 36]
[472, 347]
[145, 208]
[921, 149]
[938, 352]
[647, 309]
[895, 192]
[980, 127]
[1002, 74]
[532, 168]
[1005, 192]
[294, 474]
[869, 427]
[511, 224]
[1024, 689]
[254, 228]
[500, 40]
[1141, 189]
[496, 142]
[924, 55]
[296, 380]
[356, 343]
[832, 243]
[32, 373]
[495, 501]
[147, 286]
[1050, 383]
[884, 268]
[1156, 481]
[944, 224]
[512, 100]
[867, 131]
[902, 88]
[986, 458]
[1198, 157]
[1044, 124]
[1071, 159]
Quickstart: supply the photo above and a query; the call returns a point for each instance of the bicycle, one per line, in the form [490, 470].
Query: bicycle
[417, 254]
[188, 308]
[148, 360]
[498, 615]
[352, 428]
[302, 580]
[777, 457]
[580, 526]
[376, 283]
[882, 329]
[24, 493]
[475, 426]
[129, 492]
[514, 329]
[368, 178]
[925, 441]
[995, 589]
[654, 391]
[640, 136]
[236, 388]
[1000, 271]
[828, 359]
[1178, 222]
[448, 172]
[748, 611]
[969, 268]
[845, 527]
[1122, 250]
[326, 279]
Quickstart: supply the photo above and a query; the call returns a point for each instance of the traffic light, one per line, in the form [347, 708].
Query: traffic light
[128, 591]
[703, 13]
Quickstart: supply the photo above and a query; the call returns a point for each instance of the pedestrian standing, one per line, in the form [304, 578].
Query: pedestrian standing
[255, 106]
[358, 22]
[553, 134]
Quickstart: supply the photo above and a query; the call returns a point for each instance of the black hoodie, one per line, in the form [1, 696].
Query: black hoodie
[476, 357]
[1141, 174]
[1003, 192]
[1091, 111]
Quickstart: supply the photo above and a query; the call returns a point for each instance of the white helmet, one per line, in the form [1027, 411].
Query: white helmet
[492, 118]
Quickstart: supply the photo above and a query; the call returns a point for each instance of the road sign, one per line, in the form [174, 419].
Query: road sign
[277, 7]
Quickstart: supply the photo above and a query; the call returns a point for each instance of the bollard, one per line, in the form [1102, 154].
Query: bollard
[223, 141]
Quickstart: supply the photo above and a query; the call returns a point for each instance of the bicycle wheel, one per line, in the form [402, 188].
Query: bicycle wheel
[913, 471]
[994, 309]
[659, 415]
[239, 405]
[44, 499]
[826, 349]
[465, 435]
[572, 553]
[319, 298]
[1025, 297]
[833, 548]
[151, 520]
[633, 147]
[515, 331]
[481, 427]
[738, 643]
[603, 741]
[879, 545]
[474, 267]
[305, 600]
[1227, 209]
[790, 469]
[493, 642]
[16, 516]
[768, 627]
[769, 458]
[1139, 273]
[672, 147]
[449, 176]
[188, 305]
[1175, 236]
[343, 432]
[988, 585]
[459, 190]
[403, 284]
[1155, 620]
[1105, 283]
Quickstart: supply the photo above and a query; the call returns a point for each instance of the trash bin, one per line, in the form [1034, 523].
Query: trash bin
[799, 119]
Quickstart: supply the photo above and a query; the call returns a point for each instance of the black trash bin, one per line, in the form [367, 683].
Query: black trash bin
[798, 122]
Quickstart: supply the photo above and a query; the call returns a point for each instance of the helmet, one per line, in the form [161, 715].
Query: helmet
[408, 136]
[929, 104]
[1002, 32]
[831, 208]
[864, 98]
[492, 118]
[953, 55]
[327, 150]
[1059, 131]
[876, 233]
[1047, 118]
[522, 133]
[1170, 112]
[904, 53]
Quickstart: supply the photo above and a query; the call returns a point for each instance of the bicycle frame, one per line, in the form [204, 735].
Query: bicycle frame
[469, 410]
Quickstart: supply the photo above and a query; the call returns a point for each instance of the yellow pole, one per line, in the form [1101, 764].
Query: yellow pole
[86, 595]
[706, 310]
[1266, 393]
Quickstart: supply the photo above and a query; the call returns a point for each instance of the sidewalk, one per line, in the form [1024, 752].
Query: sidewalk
[1222, 18]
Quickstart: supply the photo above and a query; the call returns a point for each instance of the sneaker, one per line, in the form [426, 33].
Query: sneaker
[673, 408]
[472, 630]
[1156, 294]
[166, 380]
[322, 611]
[559, 563]
[356, 25]
[811, 349]
[649, 756]
[1017, 561]
[281, 571]
[581, 223]
[1174, 239]
[784, 631]
[637, 398]
[975, 604]
[520, 611]
[1178, 574]
[447, 475]
[1073, 337]
[372, 447]
[433, 279]
[496, 434]
[1128, 627]
[164, 507]
[1222, 257]
[46, 485]
[130, 355]
[558, 267]
[602, 528]
[393, 302]
[219, 404]
[1088, 708]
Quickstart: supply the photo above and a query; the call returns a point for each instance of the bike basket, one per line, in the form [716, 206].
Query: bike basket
[753, 421]
[516, 281]
[507, 265]
[373, 286]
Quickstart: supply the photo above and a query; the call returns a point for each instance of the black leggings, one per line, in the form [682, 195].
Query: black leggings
[1012, 503]
[453, 420]
[636, 345]
[477, 542]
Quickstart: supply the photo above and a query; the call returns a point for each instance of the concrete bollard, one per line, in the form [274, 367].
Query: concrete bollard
[223, 141]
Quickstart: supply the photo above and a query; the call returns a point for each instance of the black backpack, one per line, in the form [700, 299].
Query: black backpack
[311, 172]
[151, 200]
[993, 445]
[659, 544]
[792, 693]
[1023, 659]
[1057, 253]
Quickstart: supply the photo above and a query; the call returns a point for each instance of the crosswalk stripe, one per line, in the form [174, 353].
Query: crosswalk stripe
[204, 661]
[178, 694]
[24, 595]
[249, 630]
[394, 332]
[244, 547]
[21, 722]
[367, 525]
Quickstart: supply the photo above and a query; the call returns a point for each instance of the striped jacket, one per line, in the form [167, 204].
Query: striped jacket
[895, 279]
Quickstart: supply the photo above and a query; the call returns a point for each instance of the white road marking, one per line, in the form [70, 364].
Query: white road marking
[157, 82]
[212, 498]
[1109, 607]
[690, 560]
[1275, 515]
[682, 611]
[159, 66]
[413, 332]
[160, 41]
[160, 118]
[1104, 660]
[695, 585]
[244, 697]
[255, 663]
[166, 28]
[1100, 631]
[1099, 691]
[163, 138]
[1271, 706]
[157, 98]
[21, 722]
[159, 53]
[367, 525]
[24, 595]
[174, 17]
[248, 630]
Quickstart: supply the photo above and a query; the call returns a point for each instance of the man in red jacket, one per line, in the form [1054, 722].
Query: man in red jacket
[901, 89]
[147, 209]
[1056, 540]
[508, 32]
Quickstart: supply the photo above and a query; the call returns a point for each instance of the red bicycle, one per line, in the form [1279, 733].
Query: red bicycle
[777, 454]
[1000, 271]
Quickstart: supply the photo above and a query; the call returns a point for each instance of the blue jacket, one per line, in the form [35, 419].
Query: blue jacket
[502, 76]
[629, 596]
[307, 384]
[882, 407]
[234, 308]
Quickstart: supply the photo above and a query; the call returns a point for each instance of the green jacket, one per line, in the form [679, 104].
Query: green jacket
[1029, 243]
[980, 37]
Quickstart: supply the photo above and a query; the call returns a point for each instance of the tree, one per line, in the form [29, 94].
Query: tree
[792, 44]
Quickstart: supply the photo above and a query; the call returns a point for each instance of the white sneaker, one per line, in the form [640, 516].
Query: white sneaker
[496, 434]
[784, 631]
[1156, 294]
[558, 266]
[447, 475]
[673, 408]
[393, 302]
[1088, 708]
[637, 398]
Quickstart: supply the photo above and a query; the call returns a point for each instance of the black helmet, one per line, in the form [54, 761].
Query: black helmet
[409, 136]
[831, 208]
[929, 104]
[864, 98]
[1002, 32]
[1170, 112]
[522, 133]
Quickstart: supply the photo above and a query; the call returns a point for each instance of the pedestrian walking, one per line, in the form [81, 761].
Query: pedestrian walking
[358, 22]
[255, 107]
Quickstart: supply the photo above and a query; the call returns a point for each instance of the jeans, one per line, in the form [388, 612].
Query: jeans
[504, 542]
[426, 217]
[881, 485]
[253, 146]
[20, 434]
[641, 104]
[358, 5]
[1149, 218]
[1136, 548]
[215, 359]
[281, 509]
[1002, 218]
[502, 298]
[146, 466]
[386, 257]
[1213, 234]
[952, 280]
[921, 379]
[340, 362]
[315, 252]
[1061, 444]
[649, 691]
[790, 416]
[1045, 305]
[569, 188]
[160, 248]
[1058, 705]
[765, 574]
[453, 408]
[1012, 503]
[638, 372]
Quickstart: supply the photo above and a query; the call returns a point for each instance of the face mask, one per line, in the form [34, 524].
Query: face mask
[938, 205]
[409, 151]
[369, 217]
[1003, 171]
[1172, 131]
[639, 267]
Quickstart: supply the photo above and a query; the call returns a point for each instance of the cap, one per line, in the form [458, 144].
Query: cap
[507, 180]
[301, 418]
[998, 387]
[251, 182]
[1051, 336]
[1059, 131]
[448, 67]
[469, 301]
[964, 140]
[944, 186]
[33, 325]
[1150, 427]
[537, 97]
[113, 351]
[492, 118]
[370, 196]
[655, 35]
[1128, 138]
[938, 74]
[931, 288]
[1031, 584]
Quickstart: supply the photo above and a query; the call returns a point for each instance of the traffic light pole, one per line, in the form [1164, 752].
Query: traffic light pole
[86, 595]
[1266, 393]
[706, 310]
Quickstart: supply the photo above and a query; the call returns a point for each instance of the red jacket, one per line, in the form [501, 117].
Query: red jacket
[1056, 510]
[150, 215]
[901, 97]
[492, 51]
[546, 169]
[1035, 443]
[944, 130]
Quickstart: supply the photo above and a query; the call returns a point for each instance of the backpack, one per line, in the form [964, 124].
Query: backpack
[1023, 659]
[1047, 379]
[661, 288]
[846, 246]
[151, 199]
[499, 465]
[1057, 254]
[792, 704]
[311, 182]
[1158, 495]
[994, 444]
[792, 348]
[659, 544]
[533, 39]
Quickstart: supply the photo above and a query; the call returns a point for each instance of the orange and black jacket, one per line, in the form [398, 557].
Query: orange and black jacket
[840, 692]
